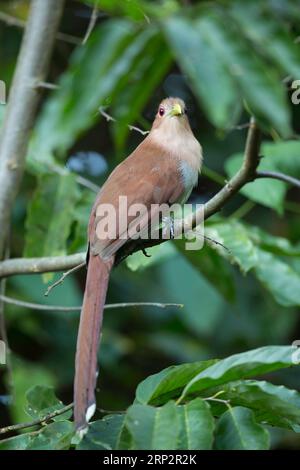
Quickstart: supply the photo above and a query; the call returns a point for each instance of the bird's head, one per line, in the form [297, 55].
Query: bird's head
[171, 113]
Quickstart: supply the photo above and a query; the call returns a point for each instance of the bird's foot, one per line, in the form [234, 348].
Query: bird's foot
[145, 252]
[168, 227]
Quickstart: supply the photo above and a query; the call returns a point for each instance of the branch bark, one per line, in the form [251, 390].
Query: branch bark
[36, 422]
[40, 265]
[32, 66]
[279, 176]
[246, 174]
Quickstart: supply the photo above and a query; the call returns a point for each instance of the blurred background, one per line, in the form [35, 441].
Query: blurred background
[227, 60]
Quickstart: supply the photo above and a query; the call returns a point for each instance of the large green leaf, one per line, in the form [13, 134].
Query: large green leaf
[213, 266]
[260, 86]
[55, 436]
[212, 85]
[107, 433]
[279, 278]
[252, 249]
[241, 366]
[237, 430]
[169, 382]
[267, 242]
[277, 156]
[271, 37]
[50, 215]
[196, 426]
[268, 192]
[16, 443]
[282, 156]
[239, 247]
[147, 73]
[272, 404]
[153, 428]
[98, 70]
[202, 302]
[41, 401]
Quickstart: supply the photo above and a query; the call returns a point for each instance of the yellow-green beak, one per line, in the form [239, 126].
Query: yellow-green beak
[176, 110]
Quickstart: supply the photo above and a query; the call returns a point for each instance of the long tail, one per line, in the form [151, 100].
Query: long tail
[88, 339]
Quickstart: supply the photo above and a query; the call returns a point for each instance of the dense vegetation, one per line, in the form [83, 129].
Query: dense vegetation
[159, 377]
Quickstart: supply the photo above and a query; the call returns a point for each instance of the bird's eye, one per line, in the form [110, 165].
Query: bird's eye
[161, 111]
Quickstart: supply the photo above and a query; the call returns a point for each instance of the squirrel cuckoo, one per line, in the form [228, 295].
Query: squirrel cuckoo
[163, 169]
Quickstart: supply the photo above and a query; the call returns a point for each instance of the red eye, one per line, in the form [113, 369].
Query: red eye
[161, 111]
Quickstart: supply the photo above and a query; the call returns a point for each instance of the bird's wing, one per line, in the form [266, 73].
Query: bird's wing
[148, 176]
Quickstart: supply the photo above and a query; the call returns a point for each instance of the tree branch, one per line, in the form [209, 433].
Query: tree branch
[246, 174]
[36, 422]
[61, 280]
[40, 265]
[32, 66]
[278, 176]
[60, 308]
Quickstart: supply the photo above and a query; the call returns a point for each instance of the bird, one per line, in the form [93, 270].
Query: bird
[163, 169]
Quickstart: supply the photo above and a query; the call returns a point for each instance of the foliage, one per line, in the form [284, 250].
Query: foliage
[228, 60]
[179, 408]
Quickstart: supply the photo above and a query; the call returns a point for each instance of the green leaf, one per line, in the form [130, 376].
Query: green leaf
[168, 383]
[215, 269]
[271, 36]
[82, 212]
[41, 400]
[277, 245]
[16, 443]
[196, 426]
[158, 254]
[153, 428]
[55, 436]
[282, 156]
[144, 77]
[26, 375]
[259, 86]
[266, 191]
[237, 430]
[241, 366]
[253, 249]
[98, 71]
[50, 215]
[212, 85]
[272, 404]
[107, 433]
[202, 302]
[279, 278]
[234, 236]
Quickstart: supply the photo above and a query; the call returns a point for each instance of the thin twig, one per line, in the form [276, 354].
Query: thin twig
[240, 127]
[13, 21]
[45, 419]
[110, 118]
[63, 277]
[87, 184]
[47, 86]
[134, 128]
[92, 23]
[279, 176]
[211, 240]
[60, 308]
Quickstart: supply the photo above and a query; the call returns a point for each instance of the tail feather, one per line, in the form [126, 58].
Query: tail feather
[88, 339]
